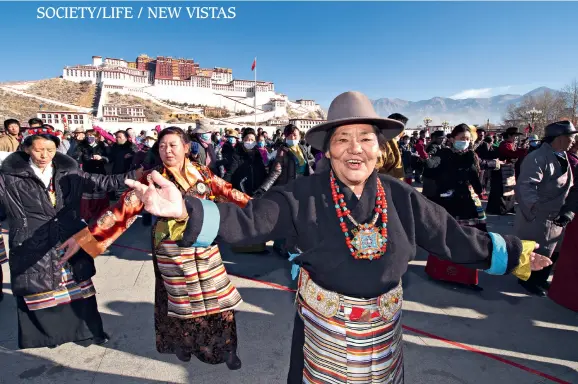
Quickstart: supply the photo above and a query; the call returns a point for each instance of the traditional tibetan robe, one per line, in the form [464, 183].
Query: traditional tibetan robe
[194, 299]
[457, 190]
[501, 200]
[348, 323]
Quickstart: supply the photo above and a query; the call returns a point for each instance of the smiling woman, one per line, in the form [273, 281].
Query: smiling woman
[358, 230]
[353, 150]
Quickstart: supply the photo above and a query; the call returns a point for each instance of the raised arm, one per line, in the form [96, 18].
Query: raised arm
[109, 183]
[275, 170]
[261, 220]
[440, 234]
[97, 237]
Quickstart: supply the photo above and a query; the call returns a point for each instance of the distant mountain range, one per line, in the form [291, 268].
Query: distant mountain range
[470, 111]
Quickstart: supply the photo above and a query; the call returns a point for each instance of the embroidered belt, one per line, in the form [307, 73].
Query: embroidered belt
[328, 304]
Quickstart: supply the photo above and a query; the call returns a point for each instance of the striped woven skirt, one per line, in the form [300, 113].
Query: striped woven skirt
[3, 254]
[196, 281]
[359, 344]
[69, 290]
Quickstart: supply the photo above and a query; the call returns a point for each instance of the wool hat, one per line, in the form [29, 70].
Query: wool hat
[352, 108]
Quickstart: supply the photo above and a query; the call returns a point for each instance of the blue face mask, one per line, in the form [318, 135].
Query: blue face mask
[291, 142]
[206, 136]
[260, 144]
[90, 139]
[232, 140]
[461, 145]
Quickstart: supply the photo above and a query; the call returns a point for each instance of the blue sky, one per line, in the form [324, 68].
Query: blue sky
[408, 50]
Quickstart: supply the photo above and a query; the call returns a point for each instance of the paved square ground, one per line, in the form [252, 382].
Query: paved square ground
[452, 335]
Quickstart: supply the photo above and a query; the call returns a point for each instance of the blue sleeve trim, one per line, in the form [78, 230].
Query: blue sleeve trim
[499, 255]
[294, 267]
[211, 222]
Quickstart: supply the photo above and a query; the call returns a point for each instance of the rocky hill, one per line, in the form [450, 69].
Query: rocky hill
[22, 108]
[80, 94]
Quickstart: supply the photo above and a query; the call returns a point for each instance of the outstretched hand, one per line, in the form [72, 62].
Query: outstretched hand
[539, 262]
[70, 247]
[165, 200]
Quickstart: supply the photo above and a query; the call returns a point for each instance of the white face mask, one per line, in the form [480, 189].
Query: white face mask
[249, 144]
[150, 143]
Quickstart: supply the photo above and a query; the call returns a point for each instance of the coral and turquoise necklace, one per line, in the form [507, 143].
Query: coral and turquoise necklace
[369, 241]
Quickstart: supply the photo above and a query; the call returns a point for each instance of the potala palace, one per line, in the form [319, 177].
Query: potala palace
[169, 81]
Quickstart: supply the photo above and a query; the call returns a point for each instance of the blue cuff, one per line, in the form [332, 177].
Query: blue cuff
[499, 255]
[294, 267]
[211, 222]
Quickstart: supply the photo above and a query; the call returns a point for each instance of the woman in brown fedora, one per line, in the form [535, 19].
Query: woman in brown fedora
[357, 230]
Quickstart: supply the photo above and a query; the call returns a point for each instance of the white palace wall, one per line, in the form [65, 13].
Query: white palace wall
[210, 97]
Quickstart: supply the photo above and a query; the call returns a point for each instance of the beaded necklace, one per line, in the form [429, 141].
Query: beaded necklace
[369, 241]
[52, 192]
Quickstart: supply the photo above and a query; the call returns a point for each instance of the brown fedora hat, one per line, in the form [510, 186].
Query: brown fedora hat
[352, 108]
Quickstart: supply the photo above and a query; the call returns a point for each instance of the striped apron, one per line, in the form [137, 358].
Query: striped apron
[3, 254]
[350, 340]
[196, 281]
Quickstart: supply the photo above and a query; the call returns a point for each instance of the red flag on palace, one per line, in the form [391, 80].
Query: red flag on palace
[254, 64]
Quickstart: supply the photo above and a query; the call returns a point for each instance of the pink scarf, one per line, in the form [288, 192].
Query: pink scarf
[264, 155]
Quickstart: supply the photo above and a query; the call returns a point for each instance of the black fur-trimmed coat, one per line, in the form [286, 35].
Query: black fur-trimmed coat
[37, 227]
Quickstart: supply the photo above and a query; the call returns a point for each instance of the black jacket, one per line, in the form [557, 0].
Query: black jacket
[247, 171]
[284, 167]
[116, 156]
[457, 171]
[84, 154]
[431, 149]
[37, 227]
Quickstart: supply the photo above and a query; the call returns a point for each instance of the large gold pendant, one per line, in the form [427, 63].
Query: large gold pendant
[367, 241]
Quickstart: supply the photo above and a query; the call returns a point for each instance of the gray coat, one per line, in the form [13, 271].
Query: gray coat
[541, 191]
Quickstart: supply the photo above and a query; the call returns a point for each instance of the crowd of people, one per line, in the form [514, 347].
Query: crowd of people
[338, 200]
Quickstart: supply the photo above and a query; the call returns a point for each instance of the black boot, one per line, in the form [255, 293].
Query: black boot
[232, 360]
[101, 340]
[532, 288]
[1, 282]
[183, 356]
[475, 287]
